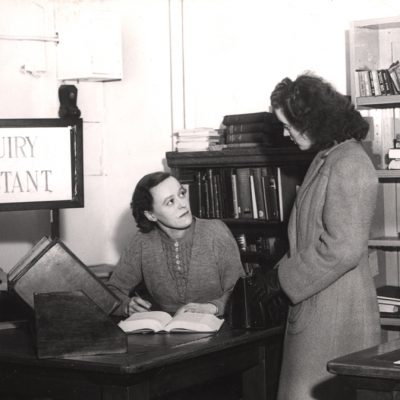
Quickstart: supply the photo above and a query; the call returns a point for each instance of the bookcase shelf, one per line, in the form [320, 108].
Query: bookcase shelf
[374, 45]
[388, 173]
[389, 101]
[248, 231]
[385, 241]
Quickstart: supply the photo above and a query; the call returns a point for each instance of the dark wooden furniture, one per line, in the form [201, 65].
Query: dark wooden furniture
[184, 166]
[155, 365]
[371, 372]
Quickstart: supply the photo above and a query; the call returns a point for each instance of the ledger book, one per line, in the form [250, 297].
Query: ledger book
[50, 266]
[160, 321]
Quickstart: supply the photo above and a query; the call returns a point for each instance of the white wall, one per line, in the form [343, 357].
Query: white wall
[233, 54]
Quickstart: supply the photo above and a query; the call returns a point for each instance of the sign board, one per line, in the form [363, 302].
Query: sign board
[41, 164]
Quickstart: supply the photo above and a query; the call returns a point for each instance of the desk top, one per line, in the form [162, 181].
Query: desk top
[145, 351]
[374, 362]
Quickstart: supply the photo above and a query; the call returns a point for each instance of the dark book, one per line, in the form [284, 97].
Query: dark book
[251, 137]
[270, 193]
[389, 292]
[244, 192]
[249, 118]
[51, 267]
[272, 127]
[259, 193]
[211, 192]
[217, 195]
[382, 82]
[206, 196]
[371, 83]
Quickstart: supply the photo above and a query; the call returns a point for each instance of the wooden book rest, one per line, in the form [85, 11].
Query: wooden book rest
[71, 324]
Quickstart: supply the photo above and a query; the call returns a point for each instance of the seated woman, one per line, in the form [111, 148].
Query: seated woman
[186, 263]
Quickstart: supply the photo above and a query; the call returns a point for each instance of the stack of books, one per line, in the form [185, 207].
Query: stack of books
[389, 304]
[252, 130]
[196, 139]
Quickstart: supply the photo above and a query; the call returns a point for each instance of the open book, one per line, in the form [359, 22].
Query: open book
[160, 321]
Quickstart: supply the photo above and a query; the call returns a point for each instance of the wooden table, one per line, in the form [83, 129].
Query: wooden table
[371, 372]
[155, 364]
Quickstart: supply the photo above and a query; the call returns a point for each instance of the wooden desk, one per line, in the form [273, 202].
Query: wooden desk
[155, 364]
[371, 372]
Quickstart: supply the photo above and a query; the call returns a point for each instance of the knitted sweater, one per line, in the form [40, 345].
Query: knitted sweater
[202, 267]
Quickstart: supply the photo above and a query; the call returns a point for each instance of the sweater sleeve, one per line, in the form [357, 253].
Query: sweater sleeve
[229, 263]
[345, 223]
[126, 275]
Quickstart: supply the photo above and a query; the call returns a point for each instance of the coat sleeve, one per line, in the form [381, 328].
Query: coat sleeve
[229, 264]
[341, 234]
[126, 275]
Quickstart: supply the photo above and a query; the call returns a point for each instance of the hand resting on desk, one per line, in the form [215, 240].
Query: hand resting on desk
[201, 308]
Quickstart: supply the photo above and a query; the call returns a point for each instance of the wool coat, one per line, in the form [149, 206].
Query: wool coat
[326, 274]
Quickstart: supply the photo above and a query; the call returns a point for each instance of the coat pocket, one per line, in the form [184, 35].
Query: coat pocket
[301, 315]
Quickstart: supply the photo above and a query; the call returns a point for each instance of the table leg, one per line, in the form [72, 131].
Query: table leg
[139, 391]
[254, 379]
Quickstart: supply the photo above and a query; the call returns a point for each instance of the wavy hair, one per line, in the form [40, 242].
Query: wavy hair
[142, 199]
[313, 106]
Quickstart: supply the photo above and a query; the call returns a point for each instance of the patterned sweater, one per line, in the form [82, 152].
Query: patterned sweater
[202, 267]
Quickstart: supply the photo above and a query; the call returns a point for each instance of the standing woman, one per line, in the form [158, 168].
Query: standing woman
[325, 274]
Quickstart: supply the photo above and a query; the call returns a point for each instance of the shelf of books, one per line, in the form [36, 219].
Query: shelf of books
[251, 190]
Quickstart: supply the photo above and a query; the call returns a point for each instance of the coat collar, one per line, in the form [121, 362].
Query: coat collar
[316, 165]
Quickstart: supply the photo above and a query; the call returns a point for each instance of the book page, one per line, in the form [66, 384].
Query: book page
[195, 322]
[145, 321]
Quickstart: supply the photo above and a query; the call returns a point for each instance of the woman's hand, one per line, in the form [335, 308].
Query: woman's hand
[137, 304]
[202, 308]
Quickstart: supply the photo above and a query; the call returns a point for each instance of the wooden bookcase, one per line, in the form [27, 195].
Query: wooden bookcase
[184, 166]
[374, 45]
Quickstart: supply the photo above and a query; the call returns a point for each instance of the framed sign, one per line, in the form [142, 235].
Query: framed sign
[41, 164]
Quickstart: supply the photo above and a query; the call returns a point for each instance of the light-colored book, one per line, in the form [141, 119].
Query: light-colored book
[160, 321]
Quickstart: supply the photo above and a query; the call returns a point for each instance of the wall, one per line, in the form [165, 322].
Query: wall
[218, 57]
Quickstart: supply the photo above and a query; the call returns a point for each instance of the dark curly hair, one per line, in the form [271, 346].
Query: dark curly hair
[312, 105]
[142, 200]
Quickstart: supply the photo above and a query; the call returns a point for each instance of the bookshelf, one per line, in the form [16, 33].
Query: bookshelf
[186, 166]
[374, 45]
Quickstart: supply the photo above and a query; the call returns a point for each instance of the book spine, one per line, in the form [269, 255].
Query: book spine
[382, 82]
[244, 196]
[211, 192]
[254, 208]
[259, 193]
[254, 127]
[371, 83]
[235, 200]
[217, 197]
[251, 137]
[249, 118]
[272, 194]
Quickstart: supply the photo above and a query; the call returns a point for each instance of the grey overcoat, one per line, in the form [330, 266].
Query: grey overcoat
[326, 273]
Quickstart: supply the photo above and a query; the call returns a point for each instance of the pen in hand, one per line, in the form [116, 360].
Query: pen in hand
[138, 304]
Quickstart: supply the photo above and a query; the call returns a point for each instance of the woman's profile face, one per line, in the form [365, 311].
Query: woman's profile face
[300, 138]
[171, 208]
